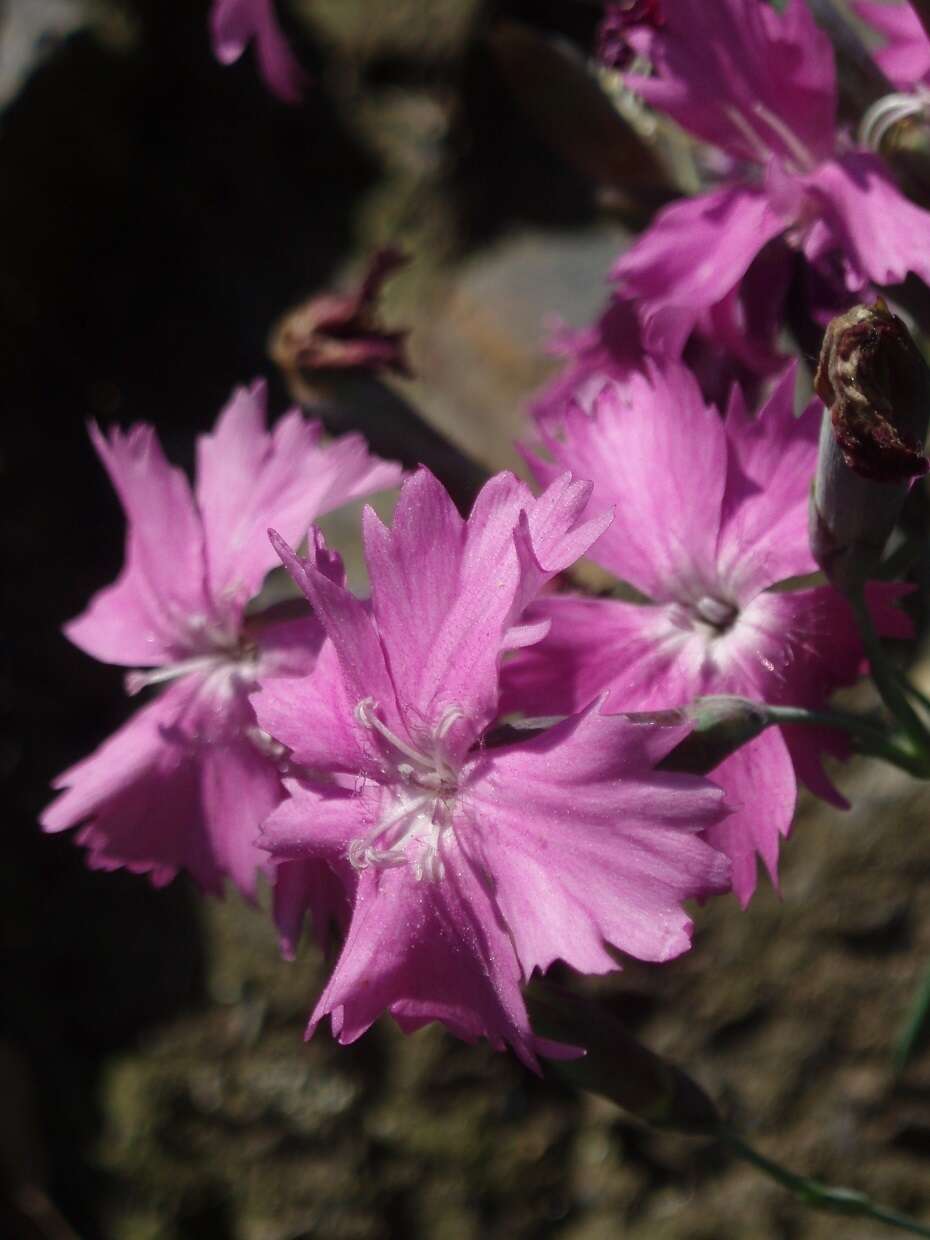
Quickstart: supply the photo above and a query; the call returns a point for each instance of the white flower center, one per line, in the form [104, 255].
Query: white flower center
[715, 613]
[420, 803]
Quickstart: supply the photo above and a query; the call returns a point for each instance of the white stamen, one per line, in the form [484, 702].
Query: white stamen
[803, 158]
[365, 714]
[135, 682]
[411, 832]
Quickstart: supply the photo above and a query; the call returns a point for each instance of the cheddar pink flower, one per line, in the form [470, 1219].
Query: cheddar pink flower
[761, 85]
[709, 515]
[473, 864]
[236, 23]
[187, 781]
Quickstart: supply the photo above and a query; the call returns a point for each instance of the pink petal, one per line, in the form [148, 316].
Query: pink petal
[446, 591]
[157, 799]
[314, 716]
[234, 23]
[883, 234]
[362, 672]
[773, 456]
[303, 888]
[761, 789]
[906, 56]
[653, 448]
[584, 845]
[593, 645]
[249, 479]
[692, 256]
[748, 60]
[141, 620]
[428, 951]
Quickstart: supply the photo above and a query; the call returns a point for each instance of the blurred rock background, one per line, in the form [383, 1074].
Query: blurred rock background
[158, 213]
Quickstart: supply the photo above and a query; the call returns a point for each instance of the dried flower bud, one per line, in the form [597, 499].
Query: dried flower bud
[876, 387]
[341, 331]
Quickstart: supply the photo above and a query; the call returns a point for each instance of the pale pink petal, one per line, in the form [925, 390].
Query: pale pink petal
[692, 256]
[145, 618]
[602, 851]
[654, 449]
[882, 234]
[234, 23]
[763, 532]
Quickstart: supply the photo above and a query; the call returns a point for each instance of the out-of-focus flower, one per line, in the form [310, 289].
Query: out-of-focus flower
[187, 781]
[760, 85]
[236, 23]
[474, 865]
[709, 514]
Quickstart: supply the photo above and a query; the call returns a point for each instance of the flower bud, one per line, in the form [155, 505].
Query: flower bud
[876, 388]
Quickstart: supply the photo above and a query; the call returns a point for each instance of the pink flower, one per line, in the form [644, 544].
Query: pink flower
[186, 782]
[708, 516]
[905, 56]
[235, 23]
[761, 85]
[472, 864]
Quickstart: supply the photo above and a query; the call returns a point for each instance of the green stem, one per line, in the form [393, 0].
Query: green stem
[914, 1026]
[821, 1196]
[886, 680]
[872, 738]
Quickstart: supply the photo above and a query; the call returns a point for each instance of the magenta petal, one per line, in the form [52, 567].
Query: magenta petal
[761, 790]
[883, 234]
[428, 951]
[586, 847]
[691, 257]
[234, 23]
[763, 533]
[710, 73]
[141, 619]
[905, 58]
